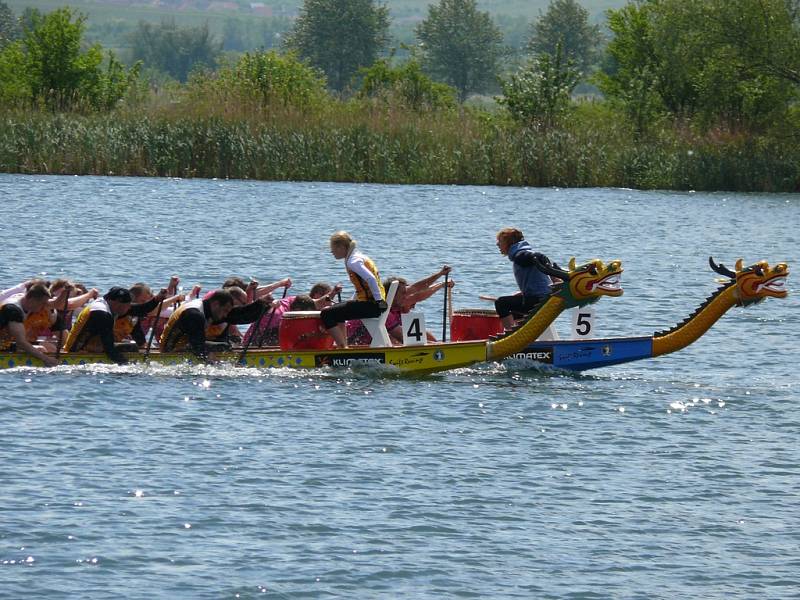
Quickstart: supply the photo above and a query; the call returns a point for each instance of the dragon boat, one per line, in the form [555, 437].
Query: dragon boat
[581, 285]
[742, 287]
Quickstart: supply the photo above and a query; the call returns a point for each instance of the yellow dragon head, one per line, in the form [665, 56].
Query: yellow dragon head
[756, 282]
[586, 283]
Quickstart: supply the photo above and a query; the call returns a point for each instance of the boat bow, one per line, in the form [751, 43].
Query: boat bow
[743, 287]
[580, 285]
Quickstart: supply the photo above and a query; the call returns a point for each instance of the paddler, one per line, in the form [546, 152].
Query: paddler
[190, 324]
[13, 313]
[370, 298]
[408, 295]
[137, 327]
[265, 331]
[93, 330]
[534, 285]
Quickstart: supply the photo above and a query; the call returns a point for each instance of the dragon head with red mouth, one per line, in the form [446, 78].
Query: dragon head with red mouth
[756, 282]
[586, 283]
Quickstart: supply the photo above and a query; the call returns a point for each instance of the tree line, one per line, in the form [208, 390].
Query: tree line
[675, 72]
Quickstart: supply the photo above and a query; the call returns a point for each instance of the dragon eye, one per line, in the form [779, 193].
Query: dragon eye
[759, 270]
[593, 269]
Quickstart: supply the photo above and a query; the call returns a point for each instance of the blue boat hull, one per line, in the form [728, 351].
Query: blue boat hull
[580, 355]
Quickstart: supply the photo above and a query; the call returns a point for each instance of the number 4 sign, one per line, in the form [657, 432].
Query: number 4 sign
[414, 329]
[583, 323]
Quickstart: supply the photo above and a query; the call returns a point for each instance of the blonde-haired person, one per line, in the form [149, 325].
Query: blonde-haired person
[534, 285]
[370, 297]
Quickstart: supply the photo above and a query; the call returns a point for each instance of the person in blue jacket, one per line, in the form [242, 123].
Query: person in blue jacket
[534, 285]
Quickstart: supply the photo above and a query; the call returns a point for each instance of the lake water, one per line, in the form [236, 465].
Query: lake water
[668, 478]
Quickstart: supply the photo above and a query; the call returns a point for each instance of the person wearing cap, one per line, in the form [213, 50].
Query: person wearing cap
[93, 330]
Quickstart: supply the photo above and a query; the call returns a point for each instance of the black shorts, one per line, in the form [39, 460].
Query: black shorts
[347, 311]
[518, 304]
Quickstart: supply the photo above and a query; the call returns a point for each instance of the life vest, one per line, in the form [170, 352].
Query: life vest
[123, 328]
[172, 338]
[362, 287]
[6, 339]
[74, 339]
[215, 330]
[37, 324]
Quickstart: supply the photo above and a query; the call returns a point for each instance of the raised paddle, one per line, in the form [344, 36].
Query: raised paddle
[266, 326]
[444, 309]
[153, 329]
[242, 362]
[64, 324]
[269, 321]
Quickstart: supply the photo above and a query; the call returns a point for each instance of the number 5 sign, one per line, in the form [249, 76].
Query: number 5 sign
[583, 323]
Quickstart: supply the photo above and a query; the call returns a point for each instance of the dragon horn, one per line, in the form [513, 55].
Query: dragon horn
[739, 264]
[720, 268]
[551, 269]
[571, 264]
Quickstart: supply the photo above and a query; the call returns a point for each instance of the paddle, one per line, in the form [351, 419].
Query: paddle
[242, 362]
[266, 326]
[64, 324]
[444, 309]
[153, 329]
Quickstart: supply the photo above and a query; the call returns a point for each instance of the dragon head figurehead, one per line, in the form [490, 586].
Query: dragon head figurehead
[586, 283]
[756, 282]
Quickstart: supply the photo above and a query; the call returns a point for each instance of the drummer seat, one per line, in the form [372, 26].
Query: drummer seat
[377, 326]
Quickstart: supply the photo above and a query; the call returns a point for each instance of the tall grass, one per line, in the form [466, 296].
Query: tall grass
[366, 141]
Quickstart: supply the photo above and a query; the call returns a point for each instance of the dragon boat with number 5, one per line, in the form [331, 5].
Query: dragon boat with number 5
[581, 285]
[741, 287]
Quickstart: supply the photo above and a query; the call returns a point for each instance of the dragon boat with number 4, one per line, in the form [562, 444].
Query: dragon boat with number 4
[742, 287]
[581, 285]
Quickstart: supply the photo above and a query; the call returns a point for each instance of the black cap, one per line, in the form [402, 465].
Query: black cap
[119, 294]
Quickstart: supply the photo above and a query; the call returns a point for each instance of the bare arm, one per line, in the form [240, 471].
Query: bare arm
[17, 330]
[58, 302]
[17, 289]
[424, 294]
[427, 281]
[79, 301]
[263, 290]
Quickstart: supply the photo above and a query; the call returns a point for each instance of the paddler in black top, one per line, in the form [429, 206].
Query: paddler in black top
[94, 328]
[13, 312]
[188, 325]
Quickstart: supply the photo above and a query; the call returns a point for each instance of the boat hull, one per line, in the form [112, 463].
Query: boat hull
[581, 355]
[572, 355]
[409, 359]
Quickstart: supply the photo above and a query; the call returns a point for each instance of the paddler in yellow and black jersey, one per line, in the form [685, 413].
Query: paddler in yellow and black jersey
[370, 300]
[93, 330]
[193, 322]
[13, 313]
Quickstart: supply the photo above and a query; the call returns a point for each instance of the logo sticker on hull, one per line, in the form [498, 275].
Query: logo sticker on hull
[543, 356]
[349, 360]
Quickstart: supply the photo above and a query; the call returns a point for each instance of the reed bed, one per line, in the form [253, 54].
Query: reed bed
[365, 141]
